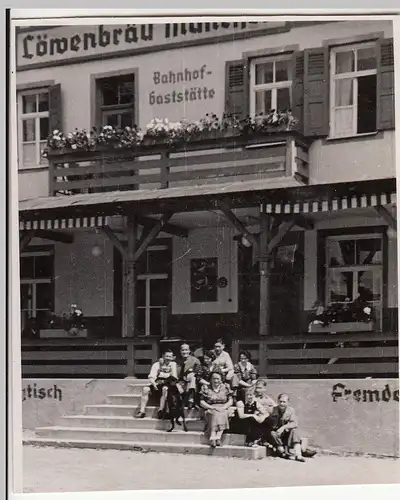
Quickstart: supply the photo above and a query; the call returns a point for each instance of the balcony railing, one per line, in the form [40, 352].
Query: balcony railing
[218, 159]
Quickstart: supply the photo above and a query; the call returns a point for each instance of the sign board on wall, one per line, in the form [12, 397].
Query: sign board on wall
[78, 43]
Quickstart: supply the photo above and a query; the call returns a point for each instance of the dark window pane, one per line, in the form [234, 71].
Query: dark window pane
[341, 253]
[141, 321]
[127, 120]
[26, 297]
[369, 285]
[111, 120]
[44, 128]
[44, 102]
[159, 292]
[282, 71]
[26, 267]
[126, 92]
[158, 261]
[155, 321]
[110, 92]
[29, 104]
[369, 251]
[141, 292]
[44, 296]
[366, 112]
[264, 73]
[283, 99]
[340, 286]
[44, 266]
[366, 58]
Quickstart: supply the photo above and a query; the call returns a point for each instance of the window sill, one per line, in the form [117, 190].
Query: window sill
[33, 168]
[353, 137]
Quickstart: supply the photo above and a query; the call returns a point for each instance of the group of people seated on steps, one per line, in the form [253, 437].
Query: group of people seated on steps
[231, 396]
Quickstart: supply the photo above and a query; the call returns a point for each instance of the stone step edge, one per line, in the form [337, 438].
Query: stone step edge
[118, 430]
[145, 447]
[120, 417]
[133, 407]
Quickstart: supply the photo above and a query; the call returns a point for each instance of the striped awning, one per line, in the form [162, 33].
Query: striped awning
[329, 204]
[70, 223]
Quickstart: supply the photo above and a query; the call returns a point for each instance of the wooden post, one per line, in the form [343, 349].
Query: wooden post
[129, 285]
[264, 264]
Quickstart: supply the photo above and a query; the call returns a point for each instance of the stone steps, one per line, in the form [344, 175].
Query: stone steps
[112, 425]
[127, 422]
[178, 436]
[129, 410]
[193, 449]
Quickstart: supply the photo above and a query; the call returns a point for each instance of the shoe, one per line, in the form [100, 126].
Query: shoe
[250, 444]
[218, 442]
[299, 459]
[140, 414]
[213, 443]
[309, 453]
[160, 415]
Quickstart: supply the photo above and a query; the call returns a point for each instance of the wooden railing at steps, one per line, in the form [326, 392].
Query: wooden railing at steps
[350, 355]
[93, 358]
[224, 159]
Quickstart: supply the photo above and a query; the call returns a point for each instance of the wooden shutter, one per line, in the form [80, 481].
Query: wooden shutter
[316, 92]
[55, 108]
[298, 89]
[236, 88]
[385, 85]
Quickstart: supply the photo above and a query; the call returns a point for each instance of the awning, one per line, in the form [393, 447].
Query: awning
[70, 223]
[273, 197]
[329, 205]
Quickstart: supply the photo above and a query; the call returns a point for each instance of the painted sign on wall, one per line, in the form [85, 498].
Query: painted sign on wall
[64, 43]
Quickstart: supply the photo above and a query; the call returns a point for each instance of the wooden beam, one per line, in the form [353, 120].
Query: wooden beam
[389, 218]
[25, 238]
[284, 228]
[264, 265]
[172, 229]
[150, 237]
[119, 245]
[129, 281]
[54, 235]
[237, 224]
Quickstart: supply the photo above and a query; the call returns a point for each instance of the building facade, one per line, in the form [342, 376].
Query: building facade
[236, 237]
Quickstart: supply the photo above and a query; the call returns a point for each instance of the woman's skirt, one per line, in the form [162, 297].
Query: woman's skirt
[217, 420]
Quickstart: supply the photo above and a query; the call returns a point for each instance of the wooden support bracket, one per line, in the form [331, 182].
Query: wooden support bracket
[152, 234]
[284, 228]
[25, 238]
[237, 224]
[385, 214]
[172, 229]
[119, 245]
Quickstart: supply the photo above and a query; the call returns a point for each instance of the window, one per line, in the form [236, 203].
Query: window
[271, 82]
[354, 90]
[36, 278]
[33, 121]
[153, 290]
[116, 97]
[354, 268]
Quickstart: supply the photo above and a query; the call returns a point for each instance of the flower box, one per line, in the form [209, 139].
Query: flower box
[58, 333]
[351, 326]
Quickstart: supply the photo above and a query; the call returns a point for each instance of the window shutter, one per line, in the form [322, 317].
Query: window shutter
[236, 88]
[298, 89]
[316, 92]
[55, 108]
[385, 85]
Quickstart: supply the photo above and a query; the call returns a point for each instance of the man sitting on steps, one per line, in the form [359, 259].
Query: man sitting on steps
[187, 368]
[162, 373]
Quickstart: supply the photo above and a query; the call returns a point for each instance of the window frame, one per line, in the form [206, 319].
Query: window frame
[354, 75]
[98, 109]
[39, 162]
[357, 268]
[274, 86]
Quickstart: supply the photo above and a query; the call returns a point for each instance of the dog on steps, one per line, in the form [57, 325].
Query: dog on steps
[176, 408]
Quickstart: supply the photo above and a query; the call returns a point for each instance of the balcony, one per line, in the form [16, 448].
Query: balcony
[218, 158]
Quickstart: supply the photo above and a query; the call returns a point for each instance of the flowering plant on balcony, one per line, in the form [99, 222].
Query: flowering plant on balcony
[359, 310]
[170, 132]
[71, 322]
